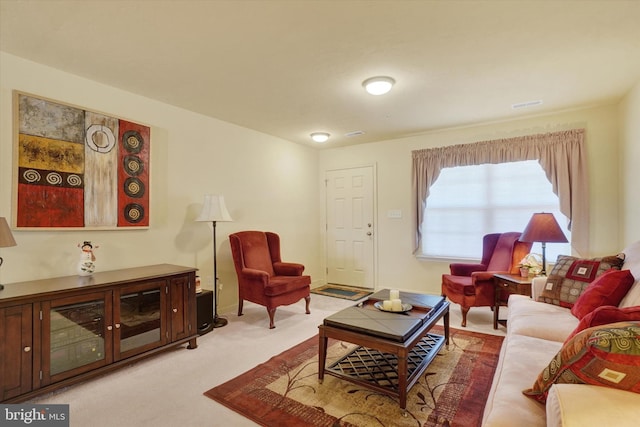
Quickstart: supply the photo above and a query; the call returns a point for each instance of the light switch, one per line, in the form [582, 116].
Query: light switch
[394, 213]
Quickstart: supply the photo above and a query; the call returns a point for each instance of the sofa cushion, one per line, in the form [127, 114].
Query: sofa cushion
[571, 276]
[521, 358]
[607, 289]
[535, 319]
[607, 355]
[573, 405]
[606, 314]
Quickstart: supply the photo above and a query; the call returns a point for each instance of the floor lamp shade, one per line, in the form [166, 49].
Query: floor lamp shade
[544, 228]
[215, 210]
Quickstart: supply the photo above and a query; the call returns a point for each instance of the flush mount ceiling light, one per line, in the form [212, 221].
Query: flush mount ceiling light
[320, 136]
[378, 85]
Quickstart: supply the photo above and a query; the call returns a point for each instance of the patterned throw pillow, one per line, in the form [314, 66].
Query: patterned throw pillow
[607, 355]
[571, 276]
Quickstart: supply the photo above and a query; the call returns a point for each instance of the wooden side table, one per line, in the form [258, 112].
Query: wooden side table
[505, 285]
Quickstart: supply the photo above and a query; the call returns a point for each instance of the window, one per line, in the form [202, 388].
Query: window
[467, 202]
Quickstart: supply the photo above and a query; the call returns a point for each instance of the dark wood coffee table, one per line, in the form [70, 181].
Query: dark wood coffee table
[394, 348]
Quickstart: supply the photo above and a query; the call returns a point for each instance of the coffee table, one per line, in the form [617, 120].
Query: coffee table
[393, 349]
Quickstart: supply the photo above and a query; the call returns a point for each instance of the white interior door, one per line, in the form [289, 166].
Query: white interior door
[350, 227]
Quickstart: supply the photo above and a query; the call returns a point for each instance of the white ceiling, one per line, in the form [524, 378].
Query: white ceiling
[289, 68]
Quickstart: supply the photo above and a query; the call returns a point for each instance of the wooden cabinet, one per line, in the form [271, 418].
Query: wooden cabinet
[16, 349]
[59, 331]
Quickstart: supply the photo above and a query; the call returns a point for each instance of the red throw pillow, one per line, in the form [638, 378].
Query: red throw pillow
[607, 289]
[605, 315]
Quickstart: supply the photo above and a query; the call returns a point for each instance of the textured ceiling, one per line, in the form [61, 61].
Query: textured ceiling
[288, 68]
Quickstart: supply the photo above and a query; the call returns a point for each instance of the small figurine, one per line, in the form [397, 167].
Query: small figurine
[87, 264]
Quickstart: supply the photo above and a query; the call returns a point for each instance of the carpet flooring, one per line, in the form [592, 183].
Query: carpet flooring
[285, 391]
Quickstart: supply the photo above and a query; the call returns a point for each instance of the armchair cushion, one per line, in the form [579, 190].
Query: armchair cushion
[279, 285]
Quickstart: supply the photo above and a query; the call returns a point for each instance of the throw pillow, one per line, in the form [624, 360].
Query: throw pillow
[606, 314]
[607, 355]
[571, 276]
[607, 289]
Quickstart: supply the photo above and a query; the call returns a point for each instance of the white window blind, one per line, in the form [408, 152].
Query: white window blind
[467, 202]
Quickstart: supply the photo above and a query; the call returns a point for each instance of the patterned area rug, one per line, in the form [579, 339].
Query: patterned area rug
[285, 390]
[341, 291]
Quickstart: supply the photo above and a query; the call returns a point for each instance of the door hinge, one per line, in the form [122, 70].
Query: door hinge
[40, 375]
[41, 315]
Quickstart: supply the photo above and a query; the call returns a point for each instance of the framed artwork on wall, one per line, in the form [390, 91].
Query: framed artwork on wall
[78, 169]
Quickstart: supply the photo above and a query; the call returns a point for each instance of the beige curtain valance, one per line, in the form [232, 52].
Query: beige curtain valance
[561, 155]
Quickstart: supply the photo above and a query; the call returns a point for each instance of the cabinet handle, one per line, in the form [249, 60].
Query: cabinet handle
[117, 325]
[27, 349]
[109, 328]
[175, 310]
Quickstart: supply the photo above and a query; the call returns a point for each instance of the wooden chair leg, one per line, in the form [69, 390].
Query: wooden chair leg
[240, 307]
[307, 301]
[464, 310]
[272, 313]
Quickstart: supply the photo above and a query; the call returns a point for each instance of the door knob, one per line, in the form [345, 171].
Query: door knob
[175, 310]
[27, 349]
[368, 233]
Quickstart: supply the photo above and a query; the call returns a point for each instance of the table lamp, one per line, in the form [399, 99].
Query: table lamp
[214, 210]
[544, 228]
[6, 238]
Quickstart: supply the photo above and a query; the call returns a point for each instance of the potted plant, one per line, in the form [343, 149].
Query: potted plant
[531, 264]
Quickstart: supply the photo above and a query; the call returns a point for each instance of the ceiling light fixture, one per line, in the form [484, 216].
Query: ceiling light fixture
[320, 136]
[378, 85]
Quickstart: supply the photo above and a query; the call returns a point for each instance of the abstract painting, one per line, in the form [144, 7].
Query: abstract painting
[77, 168]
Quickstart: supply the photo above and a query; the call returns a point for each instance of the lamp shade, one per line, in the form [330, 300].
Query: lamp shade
[214, 209]
[6, 238]
[543, 227]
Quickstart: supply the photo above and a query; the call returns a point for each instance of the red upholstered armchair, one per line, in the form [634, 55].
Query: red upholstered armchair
[471, 285]
[262, 276]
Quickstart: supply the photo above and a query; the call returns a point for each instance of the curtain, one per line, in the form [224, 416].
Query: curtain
[561, 155]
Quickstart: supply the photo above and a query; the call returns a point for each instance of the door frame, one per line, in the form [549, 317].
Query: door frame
[323, 222]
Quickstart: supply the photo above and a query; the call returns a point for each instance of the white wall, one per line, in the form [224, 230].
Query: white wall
[397, 266]
[268, 184]
[630, 162]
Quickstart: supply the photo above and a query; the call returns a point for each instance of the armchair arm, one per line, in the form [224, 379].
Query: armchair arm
[288, 269]
[483, 276]
[255, 275]
[459, 269]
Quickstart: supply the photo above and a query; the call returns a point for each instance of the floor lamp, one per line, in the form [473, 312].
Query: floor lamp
[214, 210]
[543, 228]
[6, 238]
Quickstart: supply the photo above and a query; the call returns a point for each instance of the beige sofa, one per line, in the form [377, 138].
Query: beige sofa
[535, 333]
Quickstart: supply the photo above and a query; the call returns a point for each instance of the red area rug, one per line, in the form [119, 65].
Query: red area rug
[285, 391]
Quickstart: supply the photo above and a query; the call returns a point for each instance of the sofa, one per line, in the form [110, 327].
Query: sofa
[536, 333]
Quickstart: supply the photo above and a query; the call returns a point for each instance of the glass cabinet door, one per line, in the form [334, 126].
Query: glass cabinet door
[140, 318]
[76, 335]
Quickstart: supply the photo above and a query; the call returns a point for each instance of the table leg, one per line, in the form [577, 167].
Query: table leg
[402, 380]
[322, 354]
[446, 327]
[496, 310]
